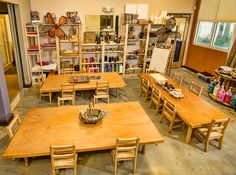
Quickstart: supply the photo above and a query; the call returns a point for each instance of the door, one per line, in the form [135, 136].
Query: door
[182, 24]
[5, 44]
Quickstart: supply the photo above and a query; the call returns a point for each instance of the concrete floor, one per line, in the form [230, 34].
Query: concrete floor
[173, 157]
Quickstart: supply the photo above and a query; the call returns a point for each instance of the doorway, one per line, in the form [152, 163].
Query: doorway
[182, 26]
[8, 56]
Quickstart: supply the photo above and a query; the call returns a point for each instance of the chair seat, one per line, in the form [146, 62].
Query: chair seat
[124, 155]
[213, 135]
[66, 163]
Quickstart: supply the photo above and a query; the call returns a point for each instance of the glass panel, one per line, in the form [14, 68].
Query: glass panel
[223, 35]
[204, 33]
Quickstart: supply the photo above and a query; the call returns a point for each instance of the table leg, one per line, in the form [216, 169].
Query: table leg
[50, 97]
[26, 162]
[117, 92]
[143, 149]
[189, 134]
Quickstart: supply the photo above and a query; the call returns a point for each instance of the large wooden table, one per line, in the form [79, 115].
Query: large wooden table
[192, 109]
[53, 82]
[43, 127]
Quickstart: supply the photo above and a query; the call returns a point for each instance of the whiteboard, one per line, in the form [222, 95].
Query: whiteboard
[159, 59]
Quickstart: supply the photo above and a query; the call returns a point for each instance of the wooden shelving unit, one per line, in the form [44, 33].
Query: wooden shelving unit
[34, 51]
[68, 50]
[102, 57]
[135, 47]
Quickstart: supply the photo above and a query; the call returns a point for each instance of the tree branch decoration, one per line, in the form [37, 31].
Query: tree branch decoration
[55, 30]
[165, 31]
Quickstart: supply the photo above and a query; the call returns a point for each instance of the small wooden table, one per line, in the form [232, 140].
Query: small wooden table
[53, 82]
[192, 109]
[43, 127]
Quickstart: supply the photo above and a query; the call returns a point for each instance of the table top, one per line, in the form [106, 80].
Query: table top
[53, 82]
[43, 127]
[192, 109]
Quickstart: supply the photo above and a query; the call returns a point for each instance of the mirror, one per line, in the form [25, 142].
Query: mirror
[95, 23]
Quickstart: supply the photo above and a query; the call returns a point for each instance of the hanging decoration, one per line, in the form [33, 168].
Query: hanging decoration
[105, 10]
[55, 30]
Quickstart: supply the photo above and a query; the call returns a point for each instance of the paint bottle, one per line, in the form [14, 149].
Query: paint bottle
[109, 68]
[217, 87]
[228, 96]
[221, 94]
[211, 87]
[233, 102]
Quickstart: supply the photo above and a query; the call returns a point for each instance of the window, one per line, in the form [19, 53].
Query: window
[204, 33]
[223, 35]
[214, 34]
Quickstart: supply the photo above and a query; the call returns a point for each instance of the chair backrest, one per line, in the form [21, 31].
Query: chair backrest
[67, 89]
[217, 126]
[145, 83]
[178, 78]
[67, 71]
[62, 153]
[156, 94]
[102, 86]
[124, 145]
[169, 108]
[13, 126]
[196, 89]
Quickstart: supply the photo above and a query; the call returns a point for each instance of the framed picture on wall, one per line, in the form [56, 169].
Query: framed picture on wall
[72, 17]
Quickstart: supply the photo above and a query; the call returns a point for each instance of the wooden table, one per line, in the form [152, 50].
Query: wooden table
[43, 127]
[192, 109]
[53, 82]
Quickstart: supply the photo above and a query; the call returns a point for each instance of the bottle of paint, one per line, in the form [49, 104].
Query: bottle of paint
[217, 87]
[221, 94]
[228, 96]
[211, 87]
[233, 102]
[120, 68]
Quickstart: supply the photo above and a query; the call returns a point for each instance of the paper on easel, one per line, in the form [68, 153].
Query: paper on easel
[159, 59]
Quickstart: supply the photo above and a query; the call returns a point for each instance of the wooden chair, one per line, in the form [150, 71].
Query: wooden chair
[44, 94]
[215, 131]
[126, 149]
[196, 89]
[102, 91]
[63, 157]
[178, 79]
[67, 71]
[145, 88]
[13, 126]
[67, 93]
[155, 99]
[169, 112]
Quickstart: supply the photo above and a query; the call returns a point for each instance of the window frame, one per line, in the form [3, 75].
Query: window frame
[213, 33]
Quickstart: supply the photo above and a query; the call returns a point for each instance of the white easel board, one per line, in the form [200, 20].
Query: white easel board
[159, 59]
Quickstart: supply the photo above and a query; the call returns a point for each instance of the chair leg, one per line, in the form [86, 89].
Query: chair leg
[94, 101]
[150, 104]
[171, 126]
[157, 109]
[146, 95]
[115, 167]
[206, 145]
[75, 170]
[135, 165]
[220, 142]
[161, 118]
[58, 102]
[108, 99]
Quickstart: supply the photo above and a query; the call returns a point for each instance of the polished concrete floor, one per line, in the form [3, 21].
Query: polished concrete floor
[173, 157]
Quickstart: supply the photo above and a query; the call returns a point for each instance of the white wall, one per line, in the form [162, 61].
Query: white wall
[93, 7]
[23, 7]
